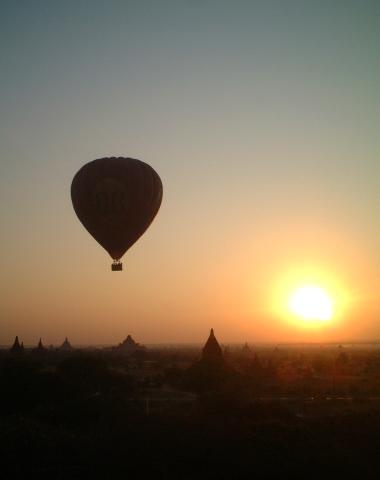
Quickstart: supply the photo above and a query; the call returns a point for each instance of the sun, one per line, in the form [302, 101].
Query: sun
[311, 303]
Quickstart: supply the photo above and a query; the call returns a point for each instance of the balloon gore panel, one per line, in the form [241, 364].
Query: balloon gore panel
[116, 199]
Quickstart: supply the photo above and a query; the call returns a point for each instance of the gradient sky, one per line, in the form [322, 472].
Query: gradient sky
[262, 119]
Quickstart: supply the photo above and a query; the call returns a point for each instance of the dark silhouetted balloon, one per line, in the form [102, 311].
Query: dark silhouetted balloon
[116, 199]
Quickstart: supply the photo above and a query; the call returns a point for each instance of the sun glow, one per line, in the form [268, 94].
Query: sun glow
[309, 300]
[311, 303]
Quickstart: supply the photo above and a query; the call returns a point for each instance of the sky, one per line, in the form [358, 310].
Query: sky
[261, 118]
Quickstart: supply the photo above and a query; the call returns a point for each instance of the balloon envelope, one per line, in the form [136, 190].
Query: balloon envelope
[116, 199]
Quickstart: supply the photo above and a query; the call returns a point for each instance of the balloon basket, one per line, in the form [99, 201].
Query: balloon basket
[117, 266]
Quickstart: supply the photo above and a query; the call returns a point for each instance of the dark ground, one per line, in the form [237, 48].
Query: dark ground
[83, 416]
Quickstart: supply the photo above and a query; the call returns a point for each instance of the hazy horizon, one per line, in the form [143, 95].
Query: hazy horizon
[375, 343]
[261, 119]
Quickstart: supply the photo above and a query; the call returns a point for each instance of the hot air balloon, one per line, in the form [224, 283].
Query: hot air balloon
[116, 199]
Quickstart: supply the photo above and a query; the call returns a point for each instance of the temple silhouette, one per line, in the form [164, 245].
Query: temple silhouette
[66, 346]
[129, 346]
[212, 352]
[17, 347]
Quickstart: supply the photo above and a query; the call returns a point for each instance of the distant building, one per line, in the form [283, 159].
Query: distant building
[66, 346]
[212, 351]
[129, 346]
[40, 348]
[16, 347]
[246, 350]
[211, 371]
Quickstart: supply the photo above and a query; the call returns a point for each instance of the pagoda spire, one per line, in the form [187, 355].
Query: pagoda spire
[66, 345]
[16, 347]
[212, 351]
[40, 347]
